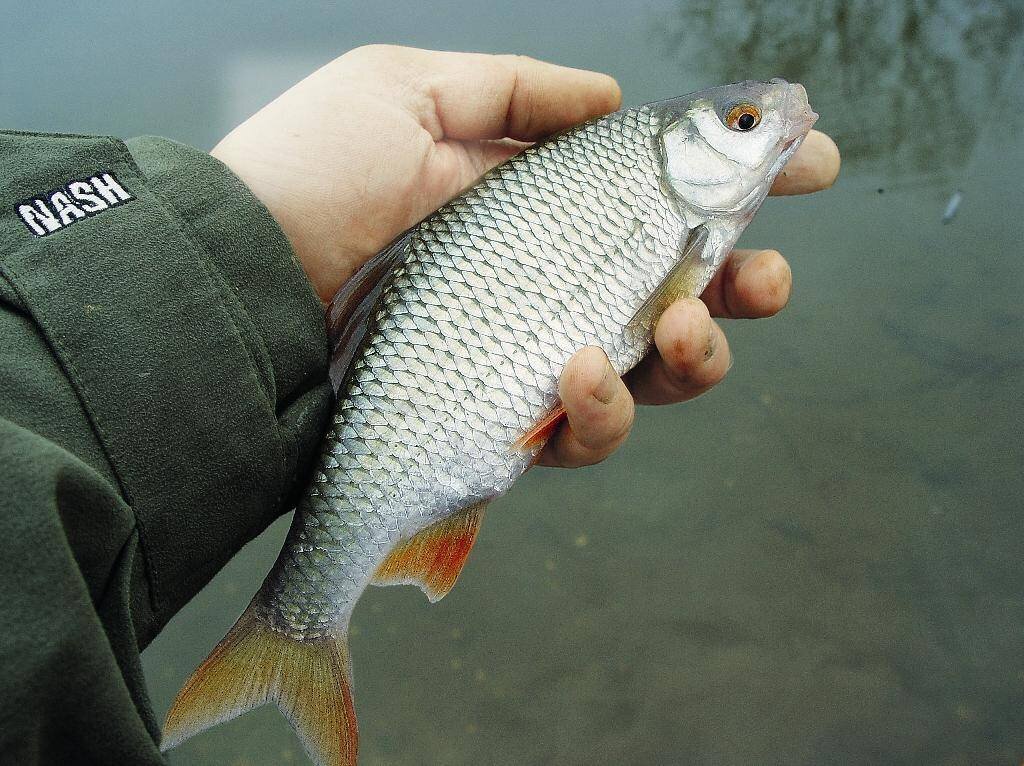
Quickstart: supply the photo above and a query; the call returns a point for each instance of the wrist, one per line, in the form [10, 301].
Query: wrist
[259, 178]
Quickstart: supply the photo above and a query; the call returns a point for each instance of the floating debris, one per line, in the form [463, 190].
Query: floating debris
[952, 206]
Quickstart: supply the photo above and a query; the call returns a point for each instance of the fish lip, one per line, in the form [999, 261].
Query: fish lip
[802, 117]
[789, 148]
[791, 143]
[800, 128]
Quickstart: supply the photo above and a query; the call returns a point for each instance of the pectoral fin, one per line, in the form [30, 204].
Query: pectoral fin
[350, 311]
[434, 557]
[680, 282]
[543, 430]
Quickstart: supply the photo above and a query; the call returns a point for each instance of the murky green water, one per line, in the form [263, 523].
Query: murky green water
[820, 561]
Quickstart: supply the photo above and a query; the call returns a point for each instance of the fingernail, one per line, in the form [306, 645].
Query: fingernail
[605, 391]
[709, 350]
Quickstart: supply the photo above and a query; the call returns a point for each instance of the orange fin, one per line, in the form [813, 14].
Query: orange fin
[310, 681]
[681, 281]
[540, 433]
[433, 557]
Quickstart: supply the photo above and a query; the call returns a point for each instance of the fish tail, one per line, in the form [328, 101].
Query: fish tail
[309, 681]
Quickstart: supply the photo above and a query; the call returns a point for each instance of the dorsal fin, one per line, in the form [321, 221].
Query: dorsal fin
[433, 557]
[348, 316]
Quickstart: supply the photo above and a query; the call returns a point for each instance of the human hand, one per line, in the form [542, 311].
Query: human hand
[376, 140]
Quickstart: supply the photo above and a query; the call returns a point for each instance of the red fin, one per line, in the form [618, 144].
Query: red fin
[434, 557]
[311, 683]
[540, 433]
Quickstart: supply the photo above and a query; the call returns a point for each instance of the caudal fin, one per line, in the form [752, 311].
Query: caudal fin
[310, 681]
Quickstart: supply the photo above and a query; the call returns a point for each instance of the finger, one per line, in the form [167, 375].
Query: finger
[751, 284]
[814, 167]
[598, 408]
[478, 96]
[690, 355]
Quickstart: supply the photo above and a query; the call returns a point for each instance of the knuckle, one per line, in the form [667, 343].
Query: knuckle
[372, 52]
[516, 59]
[593, 434]
[608, 430]
[569, 453]
[594, 438]
[380, 56]
[584, 455]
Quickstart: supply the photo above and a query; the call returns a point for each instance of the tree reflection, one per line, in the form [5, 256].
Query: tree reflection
[909, 84]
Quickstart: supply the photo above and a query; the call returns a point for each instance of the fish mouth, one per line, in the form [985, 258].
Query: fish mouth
[791, 144]
[802, 117]
[788, 149]
[798, 132]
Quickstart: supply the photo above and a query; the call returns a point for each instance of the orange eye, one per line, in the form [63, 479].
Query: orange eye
[743, 117]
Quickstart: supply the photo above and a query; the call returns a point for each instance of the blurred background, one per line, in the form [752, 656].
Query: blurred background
[818, 562]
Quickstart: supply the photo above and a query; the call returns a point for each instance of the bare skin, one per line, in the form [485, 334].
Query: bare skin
[373, 142]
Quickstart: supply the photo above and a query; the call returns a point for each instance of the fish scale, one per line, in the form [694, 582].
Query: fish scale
[478, 373]
[449, 345]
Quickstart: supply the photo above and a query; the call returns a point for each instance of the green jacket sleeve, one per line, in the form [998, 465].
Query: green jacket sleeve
[163, 390]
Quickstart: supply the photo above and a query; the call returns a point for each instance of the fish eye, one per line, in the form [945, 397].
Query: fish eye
[743, 117]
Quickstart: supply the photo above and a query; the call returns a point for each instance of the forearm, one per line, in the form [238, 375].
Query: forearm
[162, 389]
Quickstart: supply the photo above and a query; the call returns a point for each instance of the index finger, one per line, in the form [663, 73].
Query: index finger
[814, 167]
[479, 96]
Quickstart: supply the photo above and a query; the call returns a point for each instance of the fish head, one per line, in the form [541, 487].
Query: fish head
[722, 147]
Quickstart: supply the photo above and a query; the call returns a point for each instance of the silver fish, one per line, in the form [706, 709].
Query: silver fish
[448, 347]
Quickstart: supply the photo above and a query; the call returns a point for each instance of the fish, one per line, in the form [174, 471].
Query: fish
[447, 349]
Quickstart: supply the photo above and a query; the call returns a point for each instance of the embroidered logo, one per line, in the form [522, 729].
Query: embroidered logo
[50, 212]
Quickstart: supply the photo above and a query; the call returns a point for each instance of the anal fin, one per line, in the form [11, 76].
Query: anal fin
[433, 557]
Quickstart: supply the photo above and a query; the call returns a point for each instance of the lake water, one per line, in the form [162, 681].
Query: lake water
[818, 562]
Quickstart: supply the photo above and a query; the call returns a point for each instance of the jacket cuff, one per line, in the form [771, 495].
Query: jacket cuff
[248, 252]
[191, 335]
